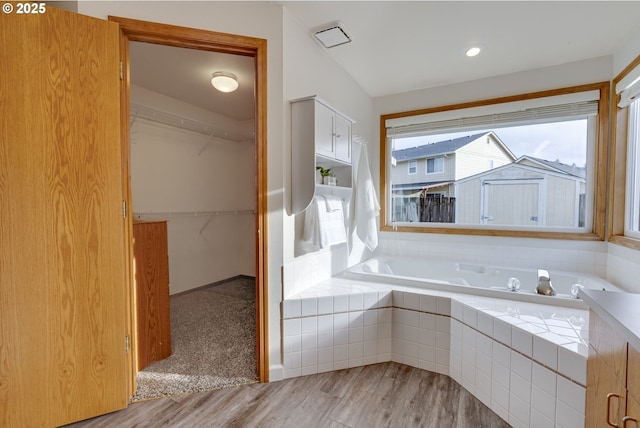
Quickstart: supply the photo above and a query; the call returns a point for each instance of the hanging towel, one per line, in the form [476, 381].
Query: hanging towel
[323, 227]
[366, 207]
[334, 203]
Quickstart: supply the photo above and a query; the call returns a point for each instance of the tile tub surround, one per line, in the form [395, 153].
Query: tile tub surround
[525, 361]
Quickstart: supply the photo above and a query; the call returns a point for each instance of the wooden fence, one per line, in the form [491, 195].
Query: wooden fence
[437, 209]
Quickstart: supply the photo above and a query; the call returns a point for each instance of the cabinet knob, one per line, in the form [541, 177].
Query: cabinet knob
[609, 397]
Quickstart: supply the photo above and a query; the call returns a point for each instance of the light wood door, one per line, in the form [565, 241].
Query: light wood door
[151, 265]
[62, 233]
[606, 394]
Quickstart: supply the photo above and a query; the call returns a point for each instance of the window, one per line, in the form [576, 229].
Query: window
[413, 166]
[516, 166]
[624, 178]
[632, 217]
[435, 165]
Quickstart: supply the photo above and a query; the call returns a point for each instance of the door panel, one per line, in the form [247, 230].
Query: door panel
[513, 204]
[62, 245]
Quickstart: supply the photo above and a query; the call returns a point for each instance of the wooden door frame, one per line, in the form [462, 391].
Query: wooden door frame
[183, 37]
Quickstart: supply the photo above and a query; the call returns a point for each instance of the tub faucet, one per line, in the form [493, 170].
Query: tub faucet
[544, 284]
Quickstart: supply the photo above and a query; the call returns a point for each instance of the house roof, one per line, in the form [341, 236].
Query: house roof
[557, 166]
[439, 148]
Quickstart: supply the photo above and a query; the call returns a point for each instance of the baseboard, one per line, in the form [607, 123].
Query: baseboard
[213, 284]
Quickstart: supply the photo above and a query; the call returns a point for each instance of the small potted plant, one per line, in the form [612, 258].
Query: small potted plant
[327, 178]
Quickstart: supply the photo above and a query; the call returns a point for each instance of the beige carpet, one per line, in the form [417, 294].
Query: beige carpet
[213, 341]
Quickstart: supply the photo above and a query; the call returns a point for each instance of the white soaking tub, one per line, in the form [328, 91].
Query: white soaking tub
[479, 279]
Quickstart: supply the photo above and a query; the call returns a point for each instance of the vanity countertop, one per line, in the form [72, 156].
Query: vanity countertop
[619, 309]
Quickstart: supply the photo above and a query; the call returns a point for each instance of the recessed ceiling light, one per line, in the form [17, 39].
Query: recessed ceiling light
[224, 81]
[473, 51]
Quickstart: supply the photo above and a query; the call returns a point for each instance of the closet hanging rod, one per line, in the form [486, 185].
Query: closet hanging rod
[139, 111]
[173, 214]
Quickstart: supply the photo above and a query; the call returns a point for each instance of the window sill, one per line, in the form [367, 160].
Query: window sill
[625, 241]
[497, 232]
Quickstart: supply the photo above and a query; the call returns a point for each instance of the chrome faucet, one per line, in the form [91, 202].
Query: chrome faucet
[544, 284]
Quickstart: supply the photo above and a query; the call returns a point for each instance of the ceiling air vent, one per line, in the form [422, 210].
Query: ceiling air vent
[333, 34]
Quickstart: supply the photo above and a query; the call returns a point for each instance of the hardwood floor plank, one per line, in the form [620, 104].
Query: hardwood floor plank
[379, 395]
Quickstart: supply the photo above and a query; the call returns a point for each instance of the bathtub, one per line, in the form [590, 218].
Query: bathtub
[478, 279]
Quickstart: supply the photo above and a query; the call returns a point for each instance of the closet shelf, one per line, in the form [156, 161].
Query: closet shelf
[139, 111]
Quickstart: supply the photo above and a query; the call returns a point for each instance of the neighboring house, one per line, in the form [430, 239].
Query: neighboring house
[538, 192]
[432, 169]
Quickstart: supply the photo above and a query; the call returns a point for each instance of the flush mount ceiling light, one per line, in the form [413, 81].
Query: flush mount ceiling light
[331, 35]
[473, 50]
[224, 81]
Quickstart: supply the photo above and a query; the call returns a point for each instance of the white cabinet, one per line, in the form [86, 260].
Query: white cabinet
[332, 133]
[320, 136]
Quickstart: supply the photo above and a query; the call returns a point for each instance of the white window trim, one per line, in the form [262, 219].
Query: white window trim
[409, 163]
[426, 165]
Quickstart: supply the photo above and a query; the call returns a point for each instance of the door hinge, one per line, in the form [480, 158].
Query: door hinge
[127, 344]
[124, 209]
[121, 71]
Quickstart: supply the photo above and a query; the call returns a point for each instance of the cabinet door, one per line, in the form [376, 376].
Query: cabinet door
[62, 234]
[605, 394]
[342, 138]
[324, 130]
[150, 251]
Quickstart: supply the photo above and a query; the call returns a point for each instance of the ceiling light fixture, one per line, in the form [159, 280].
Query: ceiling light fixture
[224, 81]
[473, 51]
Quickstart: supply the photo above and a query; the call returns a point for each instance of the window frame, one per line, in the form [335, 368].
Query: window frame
[413, 162]
[616, 221]
[434, 159]
[596, 232]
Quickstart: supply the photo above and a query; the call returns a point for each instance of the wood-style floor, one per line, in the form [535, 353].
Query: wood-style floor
[379, 395]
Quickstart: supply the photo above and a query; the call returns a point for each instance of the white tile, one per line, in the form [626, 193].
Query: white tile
[340, 353]
[340, 321]
[520, 388]
[485, 323]
[544, 379]
[571, 394]
[519, 412]
[545, 352]
[356, 302]
[442, 341]
[370, 300]
[502, 331]
[370, 332]
[522, 341]
[309, 325]
[443, 324]
[291, 308]
[356, 335]
[308, 358]
[521, 366]
[483, 388]
[325, 323]
[456, 328]
[356, 319]
[291, 360]
[428, 321]
[412, 318]
[309, 307]
[566, 417]
[340, 303]
[539, 420]
[325, 305]
[370, 317]
[325, 339]
[340, 337]
[325, 356]
[309, 341]
[470, 316]
[572, 365]
[291, 344]
[370, 348]
[308, 370]
[483, 364]
[543, 403]
[291, 327]
[428, 303]
[457, 310]
[443, 305]
[411, 301]
[484, 345]
[356, 351]
[499, 396]
[411, 334]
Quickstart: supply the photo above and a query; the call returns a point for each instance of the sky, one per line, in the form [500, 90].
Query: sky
[563, 141]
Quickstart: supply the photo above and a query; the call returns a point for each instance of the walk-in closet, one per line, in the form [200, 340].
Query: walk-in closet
[193, 172]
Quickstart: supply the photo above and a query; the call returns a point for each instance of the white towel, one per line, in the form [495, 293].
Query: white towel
[334, 203]
[366, 207]
[322, 227]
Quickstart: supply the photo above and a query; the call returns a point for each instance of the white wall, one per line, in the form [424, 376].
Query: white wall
[179, 171]
[254, 19]
[309, 70]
